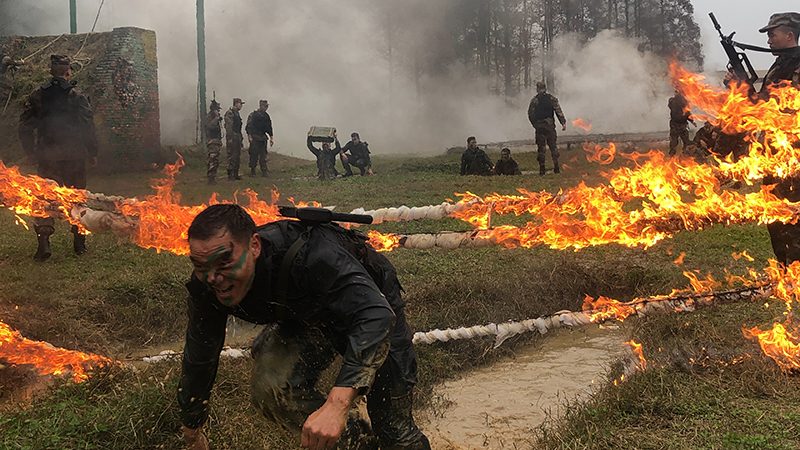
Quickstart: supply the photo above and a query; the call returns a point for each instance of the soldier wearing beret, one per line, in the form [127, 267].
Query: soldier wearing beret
[57, 132]
[542, 111]
[234, 139]
[213, 131]
[782, 32]
[259, 128]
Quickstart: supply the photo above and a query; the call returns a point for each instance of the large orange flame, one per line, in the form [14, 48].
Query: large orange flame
[16, 349]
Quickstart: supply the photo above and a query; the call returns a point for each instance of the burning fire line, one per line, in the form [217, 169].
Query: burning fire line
[48, 360]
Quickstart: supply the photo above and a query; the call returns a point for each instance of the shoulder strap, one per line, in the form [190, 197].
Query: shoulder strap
[284, 273]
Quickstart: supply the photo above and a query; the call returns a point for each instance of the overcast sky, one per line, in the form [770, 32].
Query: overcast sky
[743, 17]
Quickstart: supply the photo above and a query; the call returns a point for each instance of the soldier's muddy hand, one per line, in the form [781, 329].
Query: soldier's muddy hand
[324, 426]
[195, 439]
[563, 127]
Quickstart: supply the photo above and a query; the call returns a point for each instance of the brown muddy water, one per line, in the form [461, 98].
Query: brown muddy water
[498, 407]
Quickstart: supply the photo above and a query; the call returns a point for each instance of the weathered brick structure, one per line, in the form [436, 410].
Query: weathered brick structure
[119, 72]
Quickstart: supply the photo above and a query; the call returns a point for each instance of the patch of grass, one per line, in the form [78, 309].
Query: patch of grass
[119, 298]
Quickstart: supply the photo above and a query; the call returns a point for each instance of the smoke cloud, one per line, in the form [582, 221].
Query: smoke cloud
[318, 63]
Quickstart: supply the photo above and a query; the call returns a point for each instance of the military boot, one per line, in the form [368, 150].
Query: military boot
[556, 167]
[43, 252]
[542, 169]
[78, 241]
[212, 180]
[263, 174]
[230, 176]
[236, 176]
[252, 171]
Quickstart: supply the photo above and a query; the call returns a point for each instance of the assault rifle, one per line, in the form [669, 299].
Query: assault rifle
[314, 216]
[738, 63]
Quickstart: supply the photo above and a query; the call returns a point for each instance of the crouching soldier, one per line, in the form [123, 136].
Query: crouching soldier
[359, 156]
[323, 291]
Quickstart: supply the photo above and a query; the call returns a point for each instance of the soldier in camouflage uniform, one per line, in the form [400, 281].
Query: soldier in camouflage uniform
[782, 31]
[56, 128]
[326, 157]
[259, 127]
[234, 139]
[213, 131]
[541, 114]
[679, 118]
[324, 291]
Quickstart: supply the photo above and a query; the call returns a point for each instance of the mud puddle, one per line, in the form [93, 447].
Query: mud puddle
[498, 407]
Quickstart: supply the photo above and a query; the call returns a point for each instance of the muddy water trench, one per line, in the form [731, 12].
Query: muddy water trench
[499, 406]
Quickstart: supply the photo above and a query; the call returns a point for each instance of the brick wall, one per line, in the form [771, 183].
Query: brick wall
[124, 96]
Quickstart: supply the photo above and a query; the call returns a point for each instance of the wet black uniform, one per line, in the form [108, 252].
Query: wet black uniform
[340, 296]
[476, 163]
[359, 157]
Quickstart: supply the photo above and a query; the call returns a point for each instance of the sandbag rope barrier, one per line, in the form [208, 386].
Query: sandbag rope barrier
[641, 307]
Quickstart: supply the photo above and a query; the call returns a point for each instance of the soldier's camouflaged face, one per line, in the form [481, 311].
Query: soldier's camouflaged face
[226, 266]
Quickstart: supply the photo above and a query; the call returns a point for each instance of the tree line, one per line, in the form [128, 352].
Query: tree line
[511, 43]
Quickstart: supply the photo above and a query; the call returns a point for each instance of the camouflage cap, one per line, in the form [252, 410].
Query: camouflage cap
[541, 85]
[789, 19]
[237, 100]
[59, 60]
[263, 103]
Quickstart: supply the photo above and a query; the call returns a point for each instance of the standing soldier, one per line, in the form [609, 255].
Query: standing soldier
[259, 126]
[234, 139]
[63, 143]
[211, 126]
[679, 118]
[541, 113]
[782, 31]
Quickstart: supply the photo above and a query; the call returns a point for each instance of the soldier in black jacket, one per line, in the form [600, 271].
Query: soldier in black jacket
[541, 114]
[259, 128]
[323, 290]
[234, 138]
[506, 165]
[359, 156]
[475, 161]
[57, 132]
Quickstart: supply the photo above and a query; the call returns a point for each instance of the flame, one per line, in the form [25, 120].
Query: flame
[738, 256]
[679, 260]
[383, 242]
[583, 124]
[48, 359]
[604, 309]
[779, 344]
[599, 154]
[637, 349]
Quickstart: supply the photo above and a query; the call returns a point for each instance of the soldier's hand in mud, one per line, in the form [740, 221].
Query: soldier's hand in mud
[195, 439]
[563, 127]
[324, 426]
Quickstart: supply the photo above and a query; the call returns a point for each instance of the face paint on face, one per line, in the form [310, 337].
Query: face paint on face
[227, 267]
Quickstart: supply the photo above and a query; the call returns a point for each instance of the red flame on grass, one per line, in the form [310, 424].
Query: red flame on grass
[48, 360]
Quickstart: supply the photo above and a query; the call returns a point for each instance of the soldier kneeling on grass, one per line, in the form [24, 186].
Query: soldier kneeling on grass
[323, 290]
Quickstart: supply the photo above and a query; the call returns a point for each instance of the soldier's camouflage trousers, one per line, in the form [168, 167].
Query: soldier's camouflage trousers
[234, 148]
[546, 134]
[214, 148]
[677, 131]
[288, 363]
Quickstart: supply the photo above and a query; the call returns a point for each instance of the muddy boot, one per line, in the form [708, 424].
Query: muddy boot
[252, 171]
[263, 174]
[236, 177]
[43, 252]
[78, 241]
[542, 170]
[230, 176]
[212, 180]
[556, 167]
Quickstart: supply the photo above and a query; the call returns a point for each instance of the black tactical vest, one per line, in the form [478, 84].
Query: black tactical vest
[544, 107]
[59, 123]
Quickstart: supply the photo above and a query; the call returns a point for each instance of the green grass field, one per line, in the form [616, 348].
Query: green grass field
[119, 299]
